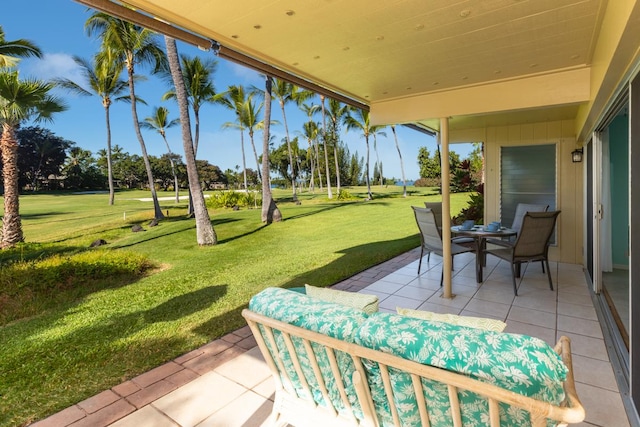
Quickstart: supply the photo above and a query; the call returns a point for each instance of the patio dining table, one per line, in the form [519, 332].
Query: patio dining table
[480, 234]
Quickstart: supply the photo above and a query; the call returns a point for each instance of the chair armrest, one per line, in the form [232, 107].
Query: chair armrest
[499, 242]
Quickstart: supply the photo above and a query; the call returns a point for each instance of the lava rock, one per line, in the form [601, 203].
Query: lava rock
[96, 243]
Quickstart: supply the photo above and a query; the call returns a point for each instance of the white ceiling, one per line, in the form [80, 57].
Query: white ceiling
[377, 51]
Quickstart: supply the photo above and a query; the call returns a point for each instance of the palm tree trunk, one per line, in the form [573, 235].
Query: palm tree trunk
[11, 222]
[145, 157]
[205, 234]
[173, 168]
[318, 162]
[196, 117]
[375, 148]
[109, 160]
[404, 181]
[312, 183]
[255, 154]
[369, 195]
[286, 133]
[244, 162]
[270, 211]
[326, 153]
[196, 140]
[335, 157]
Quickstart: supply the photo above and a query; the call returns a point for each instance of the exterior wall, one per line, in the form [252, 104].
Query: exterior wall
[569, 179]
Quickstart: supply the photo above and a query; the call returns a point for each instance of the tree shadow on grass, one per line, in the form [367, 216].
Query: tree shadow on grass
[106, 345]
[150, 235]
[355, 260]
[222, 324]
[315, 211]
[240, 236]
[186, 304]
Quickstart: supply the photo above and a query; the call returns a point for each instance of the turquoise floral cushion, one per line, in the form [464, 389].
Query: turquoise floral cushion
[327, 318]
[519, 363]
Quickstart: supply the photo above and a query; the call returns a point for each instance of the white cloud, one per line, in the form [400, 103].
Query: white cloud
[53, 65]
[246, 75]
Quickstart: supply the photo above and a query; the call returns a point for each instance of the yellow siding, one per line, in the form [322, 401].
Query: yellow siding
[569, 178]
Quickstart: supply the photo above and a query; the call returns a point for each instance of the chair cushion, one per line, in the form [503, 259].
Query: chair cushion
[367, 303]
[519, 363]
[468, 321]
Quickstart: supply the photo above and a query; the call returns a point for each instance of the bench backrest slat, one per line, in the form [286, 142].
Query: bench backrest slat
[422, 403]
[319, 378]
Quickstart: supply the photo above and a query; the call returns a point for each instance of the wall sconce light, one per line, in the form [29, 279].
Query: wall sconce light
[576, 155]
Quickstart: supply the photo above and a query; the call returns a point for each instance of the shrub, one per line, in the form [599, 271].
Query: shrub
[474, 209]
[230, 199]
[345, 195]
[427, 182]
[29, 287]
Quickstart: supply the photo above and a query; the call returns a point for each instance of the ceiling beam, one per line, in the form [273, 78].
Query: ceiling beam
[554, 89]
[124, 12]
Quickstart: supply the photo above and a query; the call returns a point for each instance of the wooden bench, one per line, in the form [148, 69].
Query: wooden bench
[304, 399]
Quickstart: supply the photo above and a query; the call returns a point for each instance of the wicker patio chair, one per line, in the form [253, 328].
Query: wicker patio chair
[521, 211]
[436, 207]
[431, 238]
[532, 244]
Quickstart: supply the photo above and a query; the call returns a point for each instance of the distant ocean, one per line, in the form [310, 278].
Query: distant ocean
[408, 183]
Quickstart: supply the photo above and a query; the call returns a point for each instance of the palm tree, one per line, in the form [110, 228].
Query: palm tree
[103, 79]
[359, 119]
[159, 122]
[12, 51]
[235, 100]
[286, 93]
[197, 75]
[20, 100]
[375, 131]
[337, 114]
[253, 123]
[270, 211]
[310, 132]
[324, 144]
[130, 45]
[404, 181]
[205, 233]
[310, 110]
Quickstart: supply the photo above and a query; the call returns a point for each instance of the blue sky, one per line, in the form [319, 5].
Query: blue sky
[57, 27]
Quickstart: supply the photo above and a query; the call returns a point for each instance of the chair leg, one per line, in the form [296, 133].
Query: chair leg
[546, 261]
[513, 277]
[542, 264]
[420, 262]
[441, 278]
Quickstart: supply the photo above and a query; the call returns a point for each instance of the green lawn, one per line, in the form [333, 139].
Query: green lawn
[120, 328]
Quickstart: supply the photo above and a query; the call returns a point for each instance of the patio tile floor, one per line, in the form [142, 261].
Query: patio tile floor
[226, 382]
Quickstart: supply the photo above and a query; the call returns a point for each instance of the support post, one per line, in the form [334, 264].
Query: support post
[446, 209]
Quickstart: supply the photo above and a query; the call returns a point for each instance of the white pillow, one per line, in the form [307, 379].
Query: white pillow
[468, 321]
[365, 302]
